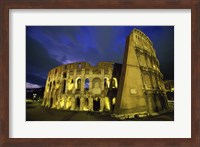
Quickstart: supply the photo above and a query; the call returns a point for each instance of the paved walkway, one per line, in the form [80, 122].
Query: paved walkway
[34, 112]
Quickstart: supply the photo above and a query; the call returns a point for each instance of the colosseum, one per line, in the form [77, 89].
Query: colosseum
[133, 88]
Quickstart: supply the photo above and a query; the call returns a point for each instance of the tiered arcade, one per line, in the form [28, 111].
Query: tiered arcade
[80, 87]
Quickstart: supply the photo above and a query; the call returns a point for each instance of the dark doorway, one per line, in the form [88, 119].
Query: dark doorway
[51, 102]
[77, 103]
[96, 104]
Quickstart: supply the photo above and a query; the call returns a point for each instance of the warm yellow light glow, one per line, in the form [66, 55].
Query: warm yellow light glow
[68, 103]
[70, 85]
[76, 85]
[107, 103]
[85, 109]
[107, 81]
[114, 101]
[116, 84]
[62, 102]
[57, 86]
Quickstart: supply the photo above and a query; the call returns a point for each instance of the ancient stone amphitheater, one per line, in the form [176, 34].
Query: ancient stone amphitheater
[80, 86]
[133, 88]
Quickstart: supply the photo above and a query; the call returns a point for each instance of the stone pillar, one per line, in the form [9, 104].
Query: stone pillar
[102, 103]
[90, 103]
[102, 84]
[81, 103]
[82, 84]
[90, 84]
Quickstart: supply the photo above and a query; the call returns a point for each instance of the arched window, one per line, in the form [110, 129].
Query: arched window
[78, 103]
[78, 84]
[114, 83]
[64, 75]
[106, 83]
[64, 85]
[87, 84]
[96, 83]
[50, 86]
[79, 65]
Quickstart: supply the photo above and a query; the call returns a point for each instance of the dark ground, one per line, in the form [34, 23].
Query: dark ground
[34, 112]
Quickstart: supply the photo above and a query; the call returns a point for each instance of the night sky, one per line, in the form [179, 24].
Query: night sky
[51, 46]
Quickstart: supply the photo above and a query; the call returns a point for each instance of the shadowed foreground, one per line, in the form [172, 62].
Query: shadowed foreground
[34, 112]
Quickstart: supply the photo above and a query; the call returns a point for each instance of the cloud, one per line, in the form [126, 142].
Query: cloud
[32, 86]
[36, 79]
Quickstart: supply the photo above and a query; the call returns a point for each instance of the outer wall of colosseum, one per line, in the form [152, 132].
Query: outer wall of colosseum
[81, 87]
[141, 88]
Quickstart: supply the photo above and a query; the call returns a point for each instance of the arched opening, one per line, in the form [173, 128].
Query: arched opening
[68, 103]
[96, 86]
[64, 86]
[155, 103]
[96, 83]
[79, 65]
[50, 86]
[78, 103]
[64, 75]
[70, 84]
[87, 85]
[96, 104]
[86, 104]
[106, 83]
[114, 83]
[113, 102]
[78, 84]
[62, 102]
[51, 102]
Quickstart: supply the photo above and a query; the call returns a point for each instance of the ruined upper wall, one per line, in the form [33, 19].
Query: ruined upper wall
[80, 68]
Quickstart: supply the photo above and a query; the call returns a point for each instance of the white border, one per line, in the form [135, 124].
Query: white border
[180, 128]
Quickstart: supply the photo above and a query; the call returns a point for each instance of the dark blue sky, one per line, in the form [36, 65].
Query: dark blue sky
[51, 46]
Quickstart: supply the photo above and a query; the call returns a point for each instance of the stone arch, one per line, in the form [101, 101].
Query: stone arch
[68, 103]
[70, 84]
[87, 84]
[96, 86]
[113, 102]
[96, 81]
[51, 102]
[64, 75]
[96, 104]
[78, 83]
[85, 104]
[50, 86]
[79, 65]
[114, 83]
[77, 103]
[64, 86]
[106, 83]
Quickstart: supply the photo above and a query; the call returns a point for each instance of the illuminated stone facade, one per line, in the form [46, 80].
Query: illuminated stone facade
[82, 87]
[141, 88]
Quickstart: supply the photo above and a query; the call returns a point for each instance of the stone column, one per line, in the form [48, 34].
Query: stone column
[90, 84]
[82, 84]
[102, 83]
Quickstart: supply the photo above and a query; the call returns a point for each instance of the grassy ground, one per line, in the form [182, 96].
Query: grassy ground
[34, 112]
